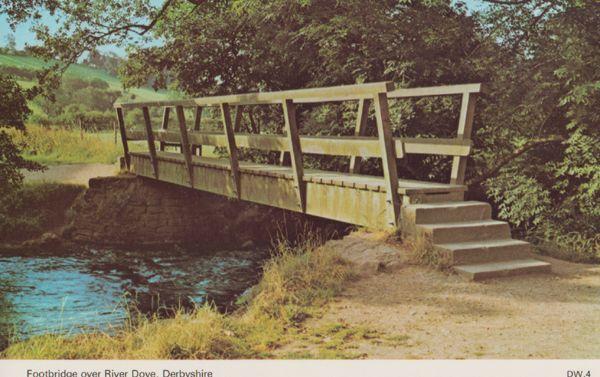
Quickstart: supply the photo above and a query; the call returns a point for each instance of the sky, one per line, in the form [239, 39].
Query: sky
[23, 34]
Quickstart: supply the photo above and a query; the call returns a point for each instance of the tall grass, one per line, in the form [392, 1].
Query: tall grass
[297, 281]
[59, 145]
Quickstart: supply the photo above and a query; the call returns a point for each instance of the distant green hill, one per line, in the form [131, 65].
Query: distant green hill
[84, 72]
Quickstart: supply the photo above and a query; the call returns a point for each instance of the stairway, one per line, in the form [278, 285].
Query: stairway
[477, 247]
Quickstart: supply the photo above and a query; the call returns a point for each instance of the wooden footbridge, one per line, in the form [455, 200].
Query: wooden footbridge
[371, 201]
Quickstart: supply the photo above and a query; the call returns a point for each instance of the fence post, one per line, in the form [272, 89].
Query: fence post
[388, 157]
[185, 144]
[150, 138]
[291, 127]
[465, 127]
[121, 121]
[360, 130]
[233, 152]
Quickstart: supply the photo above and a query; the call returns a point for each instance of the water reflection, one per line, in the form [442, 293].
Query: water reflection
[88, 289]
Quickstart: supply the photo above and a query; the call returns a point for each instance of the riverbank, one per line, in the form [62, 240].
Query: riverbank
[361, 297]
[295, 285]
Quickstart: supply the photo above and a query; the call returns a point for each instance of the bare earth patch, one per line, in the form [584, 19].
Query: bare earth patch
[415, 312]
[78, 174]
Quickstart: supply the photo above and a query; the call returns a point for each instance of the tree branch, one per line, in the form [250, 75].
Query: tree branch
[506, 160]
[508, 2]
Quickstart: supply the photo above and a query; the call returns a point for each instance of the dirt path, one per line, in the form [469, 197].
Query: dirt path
[435, 315]
[71, 173]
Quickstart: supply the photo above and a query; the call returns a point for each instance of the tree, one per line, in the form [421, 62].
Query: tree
[13, 112]
[11, 43]
[537, 134]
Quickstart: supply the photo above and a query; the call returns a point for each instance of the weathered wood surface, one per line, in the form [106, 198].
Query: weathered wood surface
[123, 132]
[150, 138]
[388, 157]
[365, 147]
[333, 195]
[231, 147]
[360, 129]
[465, 127]
[311, 95]
[351, 198]
[185, 144]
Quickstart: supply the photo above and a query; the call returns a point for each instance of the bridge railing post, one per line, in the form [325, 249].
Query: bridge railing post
[388, 157]
[197, 123]
[291, 128]
[465, 128]
[232, 148]
[122, 130]
[185, 144]
[150, 138]
[360, 130]
[164, 125]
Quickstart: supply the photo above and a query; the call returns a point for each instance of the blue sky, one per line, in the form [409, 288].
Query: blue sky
[23, 34]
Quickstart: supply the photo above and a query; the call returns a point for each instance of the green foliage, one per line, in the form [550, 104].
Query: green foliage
[35, 208]
[551, 189]
[13, 112]
[536, 140]
[80, 103]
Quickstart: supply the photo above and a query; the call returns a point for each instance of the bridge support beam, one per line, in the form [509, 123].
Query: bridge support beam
[197, 149]
[388, 158]
[465, 127]
[150, 138]
[123, 132]
[164, 125]
[360, 130]
[231, 146]
[185, 144]
[291, 128]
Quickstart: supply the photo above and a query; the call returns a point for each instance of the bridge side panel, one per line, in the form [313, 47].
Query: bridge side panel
[351, 205]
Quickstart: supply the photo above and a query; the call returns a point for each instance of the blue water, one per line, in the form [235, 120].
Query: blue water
[94, 289]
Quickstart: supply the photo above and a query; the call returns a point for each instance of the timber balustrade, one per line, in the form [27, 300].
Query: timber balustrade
[359, 199]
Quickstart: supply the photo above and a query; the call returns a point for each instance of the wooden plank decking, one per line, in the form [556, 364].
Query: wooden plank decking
[357, 181]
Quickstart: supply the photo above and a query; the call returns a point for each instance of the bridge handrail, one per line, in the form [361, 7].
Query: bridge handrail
[313, 95]
[310, 95]
[384, 146]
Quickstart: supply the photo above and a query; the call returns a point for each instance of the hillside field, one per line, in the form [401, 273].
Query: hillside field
[83, 72]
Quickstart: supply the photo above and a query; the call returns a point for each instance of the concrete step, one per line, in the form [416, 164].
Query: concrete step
[465, 231]
[447, 212]
[485, 251]
[500, 269]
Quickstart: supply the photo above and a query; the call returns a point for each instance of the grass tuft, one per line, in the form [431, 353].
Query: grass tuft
[422, 251]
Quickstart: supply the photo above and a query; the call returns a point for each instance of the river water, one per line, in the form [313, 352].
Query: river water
[94, 289]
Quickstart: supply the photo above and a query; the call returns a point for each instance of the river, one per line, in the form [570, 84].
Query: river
[94, 289]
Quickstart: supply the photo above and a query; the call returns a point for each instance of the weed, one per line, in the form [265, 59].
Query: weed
[421, 250]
